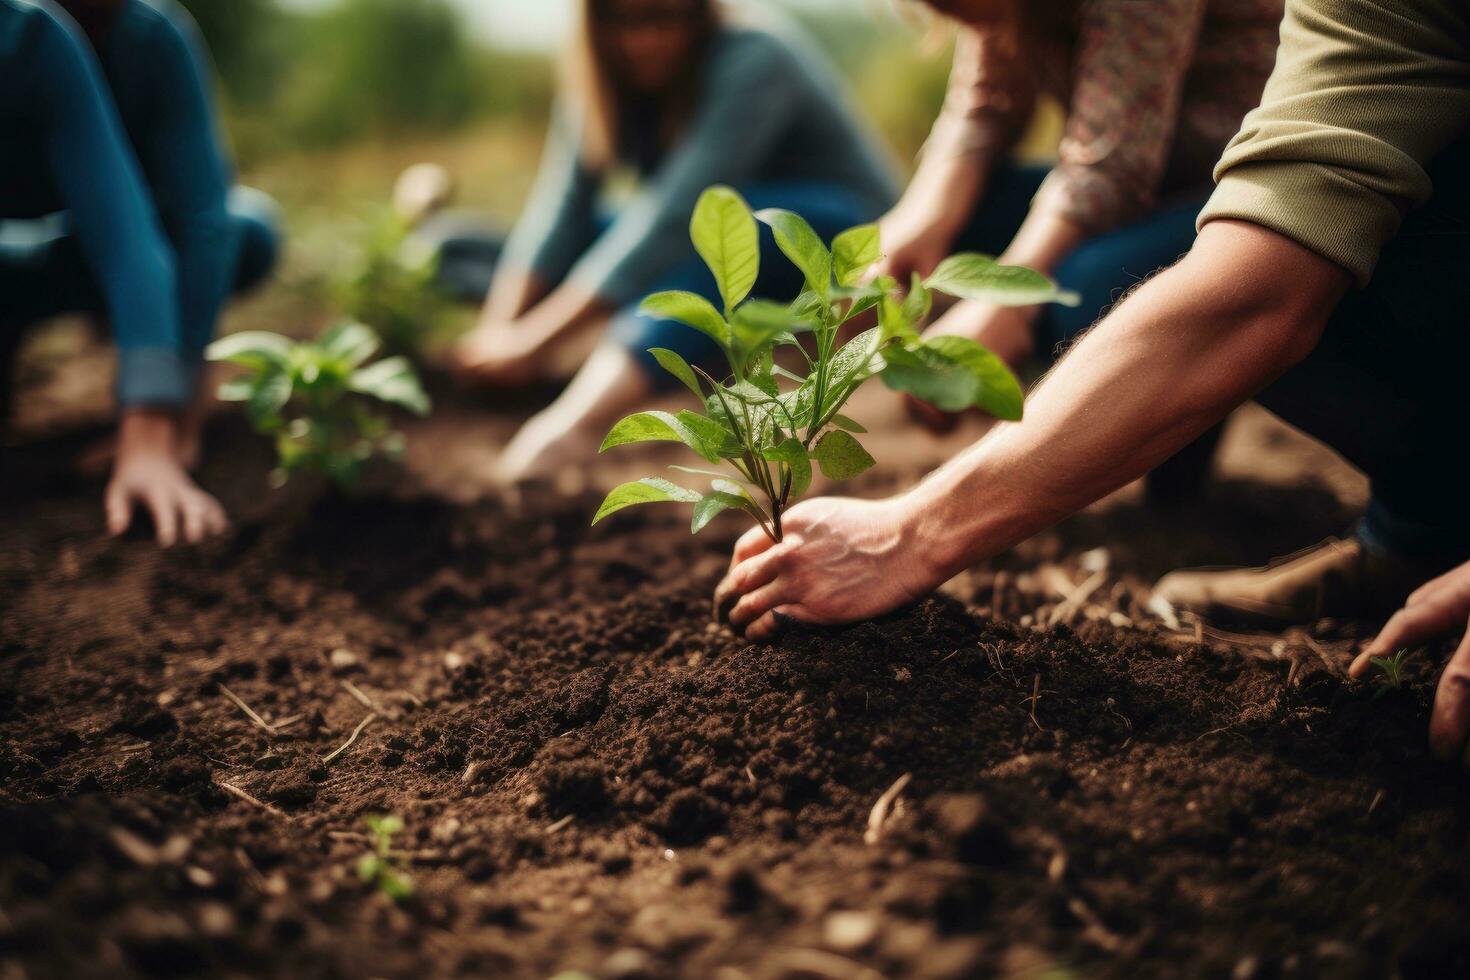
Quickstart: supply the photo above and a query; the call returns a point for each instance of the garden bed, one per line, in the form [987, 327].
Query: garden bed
[592, 776]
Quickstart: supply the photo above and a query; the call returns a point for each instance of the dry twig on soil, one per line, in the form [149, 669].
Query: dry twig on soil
[239, 793]
[350, 739]
[249, 711]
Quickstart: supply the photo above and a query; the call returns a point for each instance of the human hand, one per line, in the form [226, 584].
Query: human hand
[1004, 330]
[913, 241]
[839, 560]
[1435, 608]
[496, 353]
[148, 472]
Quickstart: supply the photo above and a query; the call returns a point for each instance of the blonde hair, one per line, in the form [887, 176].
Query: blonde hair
[592, 91]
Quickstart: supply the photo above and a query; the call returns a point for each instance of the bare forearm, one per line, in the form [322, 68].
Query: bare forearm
[1174, 359]
[1044, 240]
[512, 292]
[563, 313]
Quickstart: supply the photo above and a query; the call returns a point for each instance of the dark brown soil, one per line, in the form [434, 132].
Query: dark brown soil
[593, 777]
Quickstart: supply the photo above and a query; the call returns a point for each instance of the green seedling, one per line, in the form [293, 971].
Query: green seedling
[320, 400]
[1391, 670]
[767, 426]
[382, 867]
[390, 286]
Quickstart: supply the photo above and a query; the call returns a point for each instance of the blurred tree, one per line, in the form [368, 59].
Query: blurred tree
[380, 65]
[244, 36]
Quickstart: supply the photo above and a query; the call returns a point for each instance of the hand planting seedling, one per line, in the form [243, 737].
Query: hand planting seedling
[390, 286]
[318, 399]
[382, 867]
[767, 425]
[1392, 669]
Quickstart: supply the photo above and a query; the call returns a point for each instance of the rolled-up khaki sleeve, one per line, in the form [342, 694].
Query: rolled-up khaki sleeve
[1364, 95]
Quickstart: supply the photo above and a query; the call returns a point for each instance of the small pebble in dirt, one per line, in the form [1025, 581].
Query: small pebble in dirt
[849, 931]
[343, 660]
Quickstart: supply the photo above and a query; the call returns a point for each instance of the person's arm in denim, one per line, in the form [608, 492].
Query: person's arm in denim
[99, 182]
[188, 170]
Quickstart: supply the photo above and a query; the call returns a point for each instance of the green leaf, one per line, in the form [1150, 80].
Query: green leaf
[843, 422]
[690, 309]
[270, 395]
[724, 234]
[794, 455]
[799, 243]
[649, 490]
[237, 389]
[919, 301]
[979, 277]
[853, 251]
[350, 342]
[705, 436]
[712, 504]
[758, 323]
[854, 362]
[894, 321]
[840, 456]
[394, 381]
[955, 373]
[250, 348]
[679, 368]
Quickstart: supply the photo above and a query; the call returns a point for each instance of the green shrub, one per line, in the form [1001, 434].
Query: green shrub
[320, 399]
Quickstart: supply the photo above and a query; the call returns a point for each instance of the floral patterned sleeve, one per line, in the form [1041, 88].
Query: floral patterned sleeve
[988, 101]
[1128, 75]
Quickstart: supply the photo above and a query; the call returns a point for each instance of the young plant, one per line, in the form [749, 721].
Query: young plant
[390, 285]
[319, 399]
[382, 867]
[766, 425]
[1392, 670]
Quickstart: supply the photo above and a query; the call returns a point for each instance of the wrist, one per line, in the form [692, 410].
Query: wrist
[935, 556]
[147, 430]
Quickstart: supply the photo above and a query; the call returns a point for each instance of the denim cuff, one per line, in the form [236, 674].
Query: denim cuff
[155, 377]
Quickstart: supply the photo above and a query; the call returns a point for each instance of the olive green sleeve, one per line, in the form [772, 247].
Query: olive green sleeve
[1364, 95]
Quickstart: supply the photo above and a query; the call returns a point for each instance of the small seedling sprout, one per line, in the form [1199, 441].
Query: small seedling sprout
[382, 867]
[767, 425]
[320, 399]
[1391, 670]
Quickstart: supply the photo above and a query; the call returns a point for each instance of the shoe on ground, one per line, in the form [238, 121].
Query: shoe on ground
[1339, 578]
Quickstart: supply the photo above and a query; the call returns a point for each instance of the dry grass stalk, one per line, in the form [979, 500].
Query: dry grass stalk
[249, 711]
[350, 739]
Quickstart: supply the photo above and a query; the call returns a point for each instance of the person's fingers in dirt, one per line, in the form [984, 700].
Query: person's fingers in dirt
[772, 622]
[191, 518]
[162, 506]
[118, 507]
[745, 575]
[935, 420]
[215, 518]
[1449, 724]
[756, 602]
[1410, 627]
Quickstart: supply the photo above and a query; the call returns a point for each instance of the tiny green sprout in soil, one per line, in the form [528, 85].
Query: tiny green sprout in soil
[320, 400]
[765, 425]
[382, 866]
[1391, 671]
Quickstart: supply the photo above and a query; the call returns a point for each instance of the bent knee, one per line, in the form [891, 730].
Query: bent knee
[258, 218]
